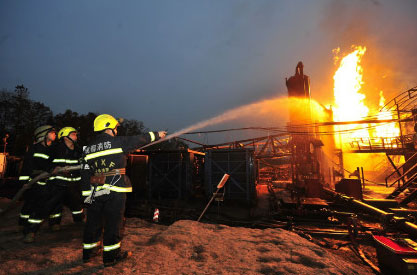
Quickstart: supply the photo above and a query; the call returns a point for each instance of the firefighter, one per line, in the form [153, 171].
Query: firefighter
[105, 184]
[36, 161]
[67, 189]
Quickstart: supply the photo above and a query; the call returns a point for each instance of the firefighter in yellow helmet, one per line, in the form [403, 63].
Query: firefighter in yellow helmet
[36, 161]
[67, 189]
[104, 186]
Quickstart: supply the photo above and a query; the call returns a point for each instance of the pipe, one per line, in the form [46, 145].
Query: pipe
[385, 217]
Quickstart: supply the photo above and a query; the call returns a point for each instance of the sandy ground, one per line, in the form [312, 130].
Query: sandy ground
[185, 247]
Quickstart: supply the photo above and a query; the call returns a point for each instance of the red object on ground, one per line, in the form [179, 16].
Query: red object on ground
[156, 215]
[395, 247]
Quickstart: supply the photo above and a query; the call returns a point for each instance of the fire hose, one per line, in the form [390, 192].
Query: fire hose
[45, 175]
[39, 177]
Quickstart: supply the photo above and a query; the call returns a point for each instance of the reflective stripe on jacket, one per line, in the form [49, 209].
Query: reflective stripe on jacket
[106, 153]
[63, 156]
[36, 160]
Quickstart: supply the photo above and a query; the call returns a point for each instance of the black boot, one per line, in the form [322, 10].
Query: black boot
[29, 237]
[91, 253]
[120, 257]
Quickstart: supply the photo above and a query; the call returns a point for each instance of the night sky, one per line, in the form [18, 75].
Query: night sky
[174, 63]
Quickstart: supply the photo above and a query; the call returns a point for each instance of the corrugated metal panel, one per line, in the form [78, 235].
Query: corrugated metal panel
[136, 169]
[170, 175]
[239, 164]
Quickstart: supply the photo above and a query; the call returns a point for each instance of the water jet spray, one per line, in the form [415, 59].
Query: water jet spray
[258, 108]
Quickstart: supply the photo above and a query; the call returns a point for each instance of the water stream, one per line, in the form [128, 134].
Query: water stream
[277, 107]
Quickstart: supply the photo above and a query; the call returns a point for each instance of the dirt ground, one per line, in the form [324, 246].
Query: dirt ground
[185, 247]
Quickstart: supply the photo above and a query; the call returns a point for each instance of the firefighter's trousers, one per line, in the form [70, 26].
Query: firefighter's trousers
[69, 196]
[42, 208]
[106, 212]
[30, 197]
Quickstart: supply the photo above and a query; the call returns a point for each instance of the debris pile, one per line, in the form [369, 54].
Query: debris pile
[185, 247]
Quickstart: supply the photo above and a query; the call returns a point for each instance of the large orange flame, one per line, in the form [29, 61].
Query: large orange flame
[349, 101]
[350, 106]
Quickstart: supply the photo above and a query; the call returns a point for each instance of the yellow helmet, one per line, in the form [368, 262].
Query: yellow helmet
[66, 131]
[103, 122]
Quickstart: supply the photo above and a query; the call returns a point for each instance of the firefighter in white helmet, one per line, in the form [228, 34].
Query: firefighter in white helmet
[37, 160]
[67, 189]
[105, 184]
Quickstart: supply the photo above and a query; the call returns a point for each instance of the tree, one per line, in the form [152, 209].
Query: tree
[20, 116]
[6, 115]
[83, 124]
[130, 127]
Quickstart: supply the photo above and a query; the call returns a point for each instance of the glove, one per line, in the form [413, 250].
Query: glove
[162, 134]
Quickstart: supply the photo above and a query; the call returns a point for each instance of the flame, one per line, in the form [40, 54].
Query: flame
[389, 129]
[349, 101]
[350, 106]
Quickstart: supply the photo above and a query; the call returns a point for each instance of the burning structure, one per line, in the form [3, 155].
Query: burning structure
[305, 146]
[356, 132]
[315, 170]
[310, 172]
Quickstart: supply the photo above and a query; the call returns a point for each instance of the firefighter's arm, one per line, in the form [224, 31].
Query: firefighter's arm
[54, 165]
[133, 142]
[27, 168]
[85, 174]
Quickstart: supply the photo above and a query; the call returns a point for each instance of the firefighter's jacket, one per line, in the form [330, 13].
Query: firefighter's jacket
[36, 161]
[64, 156]
[106, 153]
